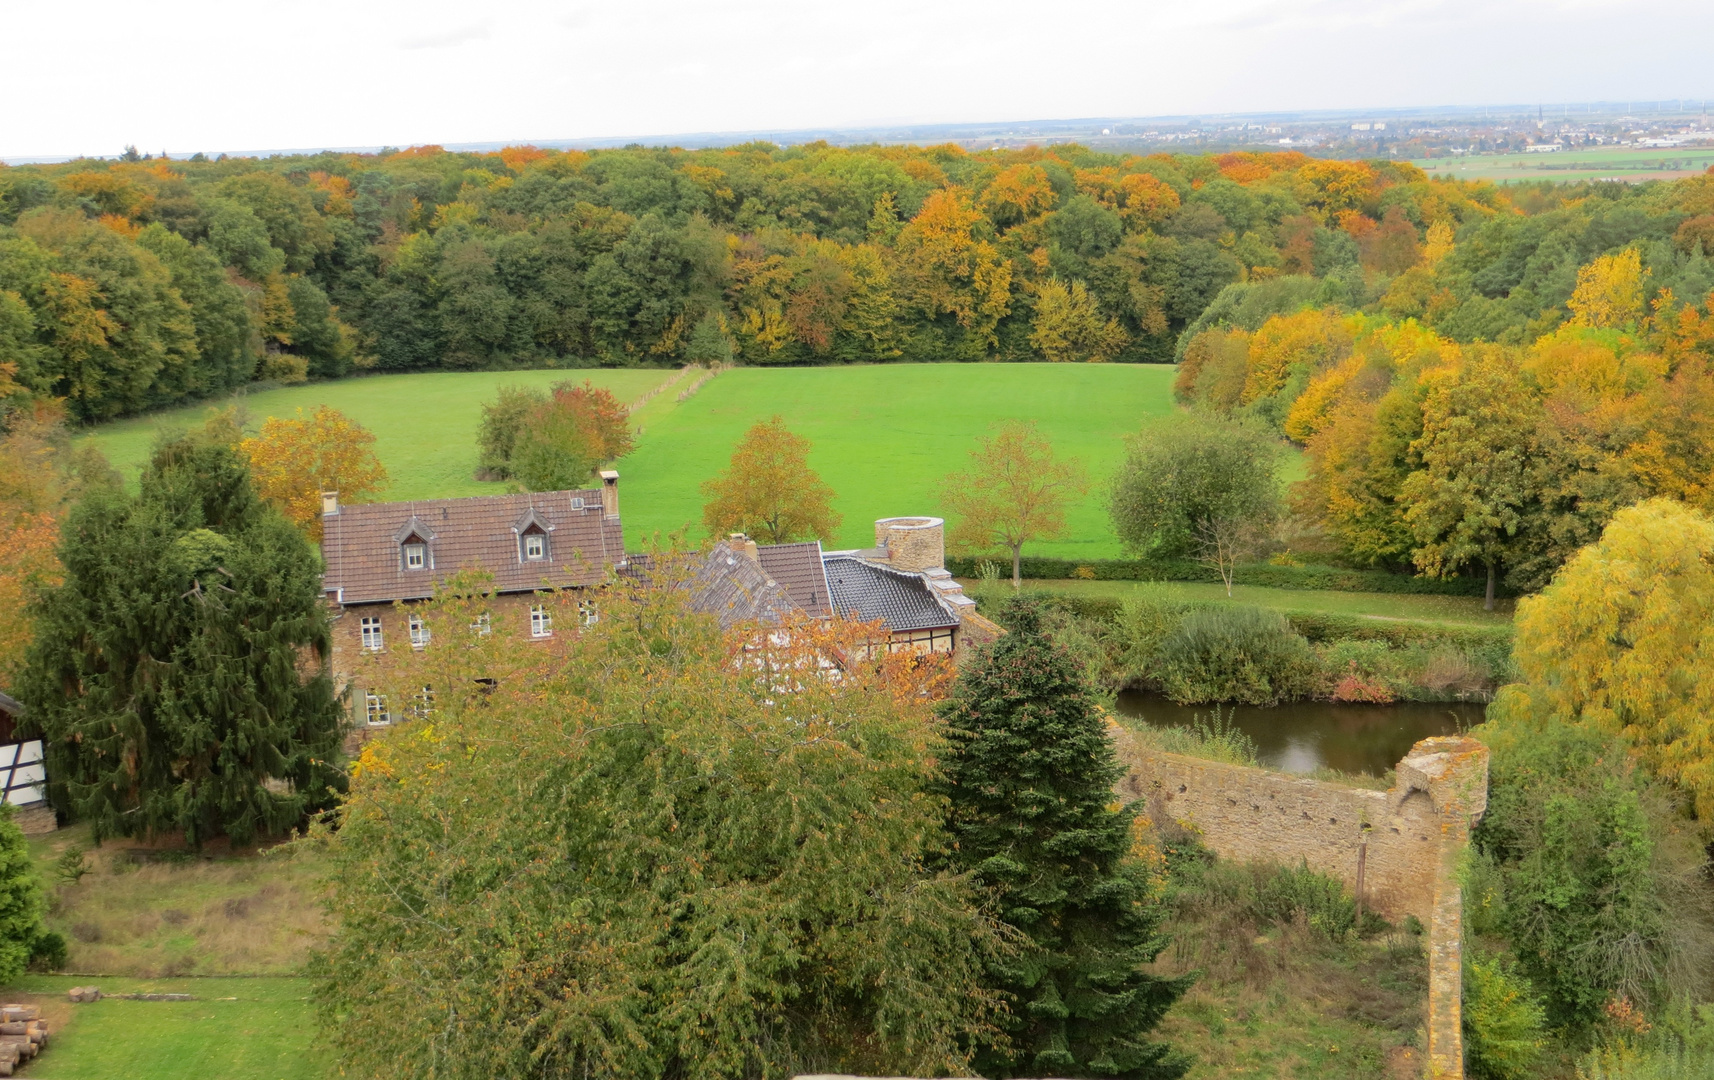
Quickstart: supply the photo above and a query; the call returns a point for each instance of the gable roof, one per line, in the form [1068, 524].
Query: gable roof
[798, 567]
[361, 553]
[735, 588]
[903, 600]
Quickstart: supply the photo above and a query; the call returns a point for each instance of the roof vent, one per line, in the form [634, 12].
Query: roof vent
[577, 502]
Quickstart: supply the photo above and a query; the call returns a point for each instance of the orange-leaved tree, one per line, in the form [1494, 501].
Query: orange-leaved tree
[292, 461]
[1016, 491]
[769, 490]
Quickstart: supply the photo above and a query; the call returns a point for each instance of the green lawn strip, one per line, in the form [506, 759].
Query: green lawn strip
[424, 424]
[1396, 607]
[885, 436]
[237, 1029]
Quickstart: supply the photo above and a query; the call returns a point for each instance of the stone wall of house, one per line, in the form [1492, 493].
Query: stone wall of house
[353, 669]
[1403, 843]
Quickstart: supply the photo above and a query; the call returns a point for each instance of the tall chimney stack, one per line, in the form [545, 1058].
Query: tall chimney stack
[610, 494]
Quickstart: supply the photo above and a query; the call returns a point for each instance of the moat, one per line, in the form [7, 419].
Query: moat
[1302, 736]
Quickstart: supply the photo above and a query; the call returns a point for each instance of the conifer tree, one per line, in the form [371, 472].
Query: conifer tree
[1030, 781]
[173, 675]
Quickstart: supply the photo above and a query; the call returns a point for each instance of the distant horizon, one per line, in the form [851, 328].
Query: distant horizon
[1043, 130]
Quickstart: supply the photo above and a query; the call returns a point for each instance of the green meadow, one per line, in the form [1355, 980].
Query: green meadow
[885, 436]
[1593, 163]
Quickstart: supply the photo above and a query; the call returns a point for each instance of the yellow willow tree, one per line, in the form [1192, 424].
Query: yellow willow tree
[292, 461]
[1623, 640]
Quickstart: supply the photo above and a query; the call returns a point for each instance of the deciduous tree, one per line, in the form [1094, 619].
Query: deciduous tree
[1191, 475]
[1015, 492]
[769, 491]
[294, 460]
[1069, 326]
[1623, 640]
[1466, 504]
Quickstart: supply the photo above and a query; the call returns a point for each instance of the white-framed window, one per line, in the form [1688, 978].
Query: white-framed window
[370, 629]
[535, 546]
[375, 710]
[482, 625]
[419, 632]
[416, 556]
[587, 613]
[541, 621]
[423, 704]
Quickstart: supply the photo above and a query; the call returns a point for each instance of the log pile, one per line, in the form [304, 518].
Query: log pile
[23, 1035]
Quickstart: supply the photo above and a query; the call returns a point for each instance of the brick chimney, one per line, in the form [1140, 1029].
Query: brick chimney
[609, 494]
[329, 503]
[912, 543]
[740, 542]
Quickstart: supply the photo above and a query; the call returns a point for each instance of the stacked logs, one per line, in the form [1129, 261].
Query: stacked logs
[23, 1035]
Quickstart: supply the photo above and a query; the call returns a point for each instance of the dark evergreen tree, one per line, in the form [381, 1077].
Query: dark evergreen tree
[1030, 776]
[177, 675]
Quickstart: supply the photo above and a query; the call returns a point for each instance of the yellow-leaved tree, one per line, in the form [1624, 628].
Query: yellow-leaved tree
[292, 461]
[1610, 291]
[1623, 640]
[1016, 492]
[769, 491]
[1069, 326]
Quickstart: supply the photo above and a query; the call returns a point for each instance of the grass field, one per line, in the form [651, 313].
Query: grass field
[884, 435]
[424, 425]
[151, 912]
[237, 1029]
[1595, 163]
[1445, 610]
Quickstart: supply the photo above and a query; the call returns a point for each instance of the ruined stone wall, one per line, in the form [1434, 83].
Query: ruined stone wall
[912, 543]
[1408, 841]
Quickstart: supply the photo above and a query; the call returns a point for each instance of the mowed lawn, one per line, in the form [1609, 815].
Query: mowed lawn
[1395, 607]
[425, 424]
[885, 437]
[237, 1029]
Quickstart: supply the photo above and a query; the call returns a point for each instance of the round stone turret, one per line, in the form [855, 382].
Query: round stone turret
[912, 543]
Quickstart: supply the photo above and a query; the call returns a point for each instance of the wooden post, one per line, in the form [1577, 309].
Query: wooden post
[1362, 861]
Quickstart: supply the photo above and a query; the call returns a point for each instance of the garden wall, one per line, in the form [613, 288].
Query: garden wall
[1397, 849]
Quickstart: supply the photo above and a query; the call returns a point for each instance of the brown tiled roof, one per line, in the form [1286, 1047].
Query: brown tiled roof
[364, 563]
[798, 567]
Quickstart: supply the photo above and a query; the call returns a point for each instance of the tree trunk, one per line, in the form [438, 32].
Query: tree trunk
[1488, 604]
[1017, 567]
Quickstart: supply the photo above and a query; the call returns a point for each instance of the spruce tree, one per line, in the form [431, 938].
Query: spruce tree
[176, 675]
[1030, 776]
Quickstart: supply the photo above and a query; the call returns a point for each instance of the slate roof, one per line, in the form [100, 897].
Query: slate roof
[865, 591]
[360, 545]
[735, 588]
[798, 567]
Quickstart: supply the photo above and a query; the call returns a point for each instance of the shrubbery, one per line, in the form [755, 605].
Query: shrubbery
[1241, 654]
[1504, 1024]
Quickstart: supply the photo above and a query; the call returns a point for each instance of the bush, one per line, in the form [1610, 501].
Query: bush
[1291, 892]
[1597, 892]
[1503, 1020]
[48, 952]
[1213, 738]
[1679, 1045]
[1242, 654]
[20, 899]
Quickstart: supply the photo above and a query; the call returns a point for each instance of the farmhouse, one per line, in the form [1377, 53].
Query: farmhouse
[23, 773]
[380, 557]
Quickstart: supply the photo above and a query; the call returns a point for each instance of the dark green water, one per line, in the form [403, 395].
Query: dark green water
[1303, 736]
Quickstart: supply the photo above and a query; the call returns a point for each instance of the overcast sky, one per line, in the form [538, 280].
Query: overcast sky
[186, 75]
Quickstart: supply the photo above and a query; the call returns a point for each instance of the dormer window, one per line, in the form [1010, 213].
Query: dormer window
[533, 531]
[414, 538]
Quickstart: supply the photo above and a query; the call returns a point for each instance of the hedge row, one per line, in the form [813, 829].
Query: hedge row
[1317, 626]
[1264, 574]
